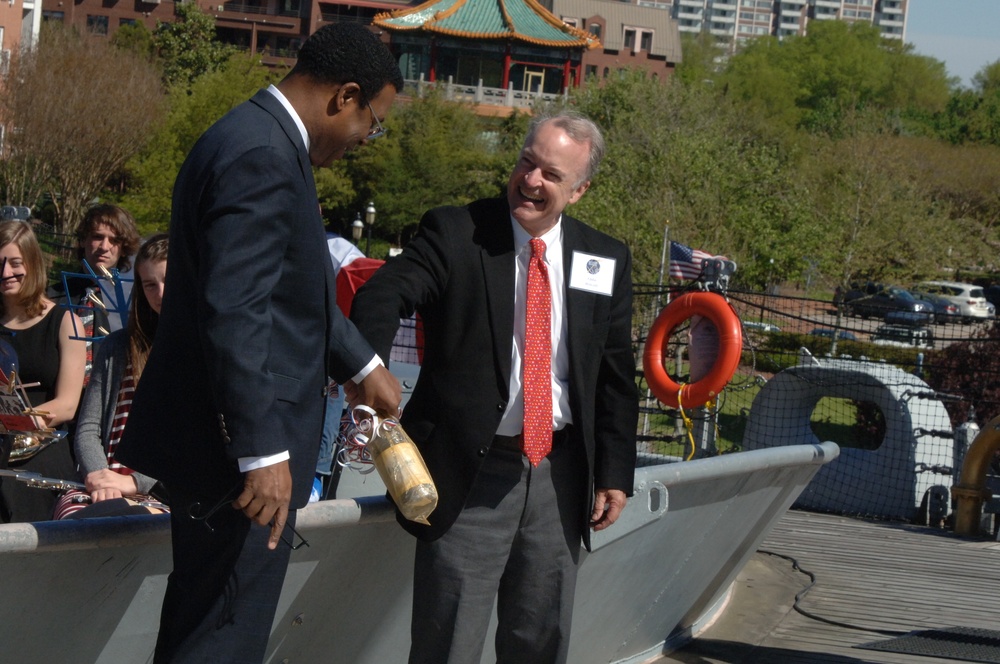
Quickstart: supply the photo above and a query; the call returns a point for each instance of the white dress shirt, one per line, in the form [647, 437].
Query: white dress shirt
[512, 422]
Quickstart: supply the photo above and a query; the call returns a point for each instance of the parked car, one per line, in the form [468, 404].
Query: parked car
[890, 298]
[827, 332]
[945, 311]
[969, 298]
[903, 336]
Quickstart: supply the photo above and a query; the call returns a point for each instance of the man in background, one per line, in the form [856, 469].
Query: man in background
[107, 239]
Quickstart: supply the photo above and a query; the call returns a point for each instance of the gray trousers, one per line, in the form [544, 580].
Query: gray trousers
[517, 540]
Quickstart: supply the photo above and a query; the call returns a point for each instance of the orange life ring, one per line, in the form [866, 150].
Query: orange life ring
[715, 308]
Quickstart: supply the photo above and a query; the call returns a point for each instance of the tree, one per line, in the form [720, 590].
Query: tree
[187, 47]
[435, 153]
[135, 37]
[687, 157]
[805, 81]
[877, 220]
[152, 172]
[76, 110]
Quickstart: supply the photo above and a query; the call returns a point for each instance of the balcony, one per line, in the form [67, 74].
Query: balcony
[892, 22]
[265, 8]
[797, 3]
[722, 30]
[832, 4]
[794, 26]
[691, 3]
[724, 5]
[723, 18]
[791, 12]
[689, 16]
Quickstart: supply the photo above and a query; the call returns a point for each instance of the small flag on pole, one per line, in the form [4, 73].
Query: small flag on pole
[685, 262]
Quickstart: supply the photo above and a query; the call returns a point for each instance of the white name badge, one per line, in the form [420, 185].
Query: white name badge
[595, 274]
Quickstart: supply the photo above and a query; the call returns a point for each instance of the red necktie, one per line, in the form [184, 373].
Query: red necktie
[537, 370]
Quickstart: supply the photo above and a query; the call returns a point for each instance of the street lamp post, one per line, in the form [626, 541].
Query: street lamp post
[357, 228]
[369, 222]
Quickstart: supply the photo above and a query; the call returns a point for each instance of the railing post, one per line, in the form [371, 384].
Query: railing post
[508, 99]
[450, 95]
[479, 92]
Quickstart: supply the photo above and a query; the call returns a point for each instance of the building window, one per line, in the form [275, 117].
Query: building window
[126, 21]
[606, 72]
[629, 38]
[590, 71]
[97, 25]
[595, 29]
[646, 41]
[53, 16]
[570, 21]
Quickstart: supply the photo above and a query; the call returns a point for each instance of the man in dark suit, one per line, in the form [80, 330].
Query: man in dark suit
[523, 469]
[229, 409]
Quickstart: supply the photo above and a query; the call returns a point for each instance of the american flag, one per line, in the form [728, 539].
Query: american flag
[685, 262]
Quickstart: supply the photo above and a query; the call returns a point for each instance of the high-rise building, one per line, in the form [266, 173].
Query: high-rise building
[736, 21]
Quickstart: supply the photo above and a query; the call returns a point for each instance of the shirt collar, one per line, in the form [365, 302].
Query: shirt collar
[551, 238]
[291, 111]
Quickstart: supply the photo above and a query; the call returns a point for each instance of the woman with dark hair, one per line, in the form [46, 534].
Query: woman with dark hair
[117, 367]
[51, 356]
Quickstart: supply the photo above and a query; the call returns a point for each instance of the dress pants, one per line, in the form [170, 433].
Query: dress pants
[222, 593]
[517, 540]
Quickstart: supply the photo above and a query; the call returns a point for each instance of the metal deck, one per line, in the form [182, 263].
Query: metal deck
[871, 575]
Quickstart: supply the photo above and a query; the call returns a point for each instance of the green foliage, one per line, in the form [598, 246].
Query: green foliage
[683, 156]
[192, 111]
[135, 38]
[700, 54]
[987, 79]
[435, 153]
[838, 67]
[187, 47]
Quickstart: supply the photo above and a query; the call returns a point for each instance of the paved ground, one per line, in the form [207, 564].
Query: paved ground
[871, 577]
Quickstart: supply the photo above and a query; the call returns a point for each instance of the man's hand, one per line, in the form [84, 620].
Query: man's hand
[608, 505]
[379, 390]
[266, 495]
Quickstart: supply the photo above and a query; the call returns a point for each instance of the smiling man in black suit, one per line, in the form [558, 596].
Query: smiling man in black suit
[229, 410]
[526, 407]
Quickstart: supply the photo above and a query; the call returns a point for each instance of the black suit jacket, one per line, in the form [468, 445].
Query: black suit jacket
[249, 328]
[458, 273]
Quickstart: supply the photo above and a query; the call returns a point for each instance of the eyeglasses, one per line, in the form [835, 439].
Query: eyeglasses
[377, 129]
[197, 513]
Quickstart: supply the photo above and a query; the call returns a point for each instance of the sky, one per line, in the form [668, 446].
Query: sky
[964, 34]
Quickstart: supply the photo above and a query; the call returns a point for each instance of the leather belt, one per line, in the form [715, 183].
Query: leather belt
[514, 442]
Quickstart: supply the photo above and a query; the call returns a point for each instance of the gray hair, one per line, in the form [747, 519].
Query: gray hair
[578, 127]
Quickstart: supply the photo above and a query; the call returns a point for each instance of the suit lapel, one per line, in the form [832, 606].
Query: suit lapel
[497, 255]
[579, 304]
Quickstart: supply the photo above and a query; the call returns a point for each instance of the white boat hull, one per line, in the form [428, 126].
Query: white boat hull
[90, 590]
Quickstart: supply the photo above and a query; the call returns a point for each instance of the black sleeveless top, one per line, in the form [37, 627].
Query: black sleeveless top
[37, 350]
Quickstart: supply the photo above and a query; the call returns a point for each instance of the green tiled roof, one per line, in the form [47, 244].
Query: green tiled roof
[521, 20]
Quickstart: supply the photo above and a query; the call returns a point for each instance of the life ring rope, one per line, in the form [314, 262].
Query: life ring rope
[716, 309]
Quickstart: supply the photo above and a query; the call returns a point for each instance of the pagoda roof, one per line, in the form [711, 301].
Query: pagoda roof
[518, 20]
